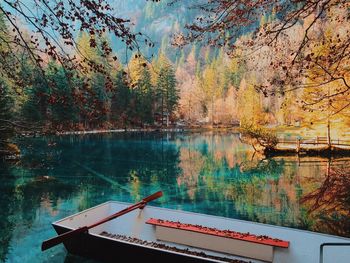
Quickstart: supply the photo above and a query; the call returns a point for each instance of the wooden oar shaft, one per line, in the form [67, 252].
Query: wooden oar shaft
[61, 238]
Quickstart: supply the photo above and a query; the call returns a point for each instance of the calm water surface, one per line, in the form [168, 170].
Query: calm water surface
[207, 173]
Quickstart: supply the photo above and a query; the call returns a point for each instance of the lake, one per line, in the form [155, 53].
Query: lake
[212, 173]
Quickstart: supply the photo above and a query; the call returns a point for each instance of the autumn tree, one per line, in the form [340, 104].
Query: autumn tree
[223, 22]
[319, 101]
[188, 78]
[260, 138]
[210, 87]
[250, 110]
[289, 111]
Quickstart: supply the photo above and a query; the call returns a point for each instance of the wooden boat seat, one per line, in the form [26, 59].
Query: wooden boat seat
[226, 241]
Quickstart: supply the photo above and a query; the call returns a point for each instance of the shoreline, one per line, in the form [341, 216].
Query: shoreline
[268, 152]
[119, 131]
[175, 129]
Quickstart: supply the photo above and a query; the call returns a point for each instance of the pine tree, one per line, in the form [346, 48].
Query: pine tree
[146, 94]
[6, 100]
[97, 79]
[142, 90]
[64, 112]
[167, 92]
[36, 106]
[6, 112]
[120, 104]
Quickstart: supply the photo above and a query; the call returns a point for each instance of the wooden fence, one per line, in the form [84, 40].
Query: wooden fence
[317, 141]
[314, 141]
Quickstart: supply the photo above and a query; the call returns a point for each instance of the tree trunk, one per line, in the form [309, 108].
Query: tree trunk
[212, 111]
[329, 133]
[162, 118]
[329, 142]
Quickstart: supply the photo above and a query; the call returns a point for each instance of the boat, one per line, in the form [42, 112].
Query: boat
[156, 234]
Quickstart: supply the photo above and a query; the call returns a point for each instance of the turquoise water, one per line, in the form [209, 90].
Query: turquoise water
[207, 173]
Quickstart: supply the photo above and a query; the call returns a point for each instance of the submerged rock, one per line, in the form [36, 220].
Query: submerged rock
[10, 152]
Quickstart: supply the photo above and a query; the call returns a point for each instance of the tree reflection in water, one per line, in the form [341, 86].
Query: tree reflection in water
[232, 182]
[20, 200]
[329, 204]
[211, 173]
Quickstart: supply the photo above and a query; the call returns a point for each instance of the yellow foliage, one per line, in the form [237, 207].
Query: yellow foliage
[249, 103]
[13, 148]
[136, 66]
[319, 97]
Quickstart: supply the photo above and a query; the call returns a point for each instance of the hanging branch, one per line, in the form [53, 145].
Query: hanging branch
[55, 25]
[221, 23]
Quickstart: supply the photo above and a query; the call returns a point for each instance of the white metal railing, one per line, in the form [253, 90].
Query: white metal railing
[331, 245]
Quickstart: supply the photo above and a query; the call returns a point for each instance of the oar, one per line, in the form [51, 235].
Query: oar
[61, 238]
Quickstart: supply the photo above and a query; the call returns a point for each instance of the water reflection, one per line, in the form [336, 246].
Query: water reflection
[208, 173]
[329, 204]
[24, 199]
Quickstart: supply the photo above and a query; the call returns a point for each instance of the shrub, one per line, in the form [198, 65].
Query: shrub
[261, 135]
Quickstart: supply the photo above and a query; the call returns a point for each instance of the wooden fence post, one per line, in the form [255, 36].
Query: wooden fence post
[298, 145]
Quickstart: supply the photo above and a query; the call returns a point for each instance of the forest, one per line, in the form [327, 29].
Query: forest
[171, 79]
[238, 109]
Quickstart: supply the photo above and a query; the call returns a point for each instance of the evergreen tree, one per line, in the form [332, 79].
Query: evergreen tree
[167, 92]
[142, 90]
[146, 96]
[121, 98]
[36, 106]
[63, 108]
[6, 100]
[6, 113]
[97, 86]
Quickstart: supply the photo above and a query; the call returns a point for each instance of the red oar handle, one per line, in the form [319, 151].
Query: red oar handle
[152, 197]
